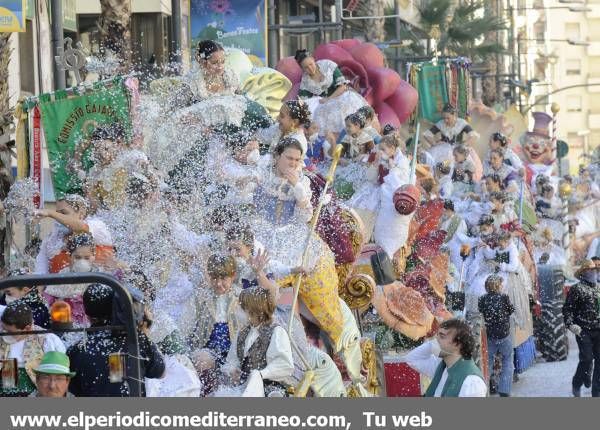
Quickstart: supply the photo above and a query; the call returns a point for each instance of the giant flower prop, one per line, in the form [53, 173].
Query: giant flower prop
[363, 64]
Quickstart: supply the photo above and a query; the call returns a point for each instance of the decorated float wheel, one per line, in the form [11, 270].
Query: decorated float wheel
[551, 332]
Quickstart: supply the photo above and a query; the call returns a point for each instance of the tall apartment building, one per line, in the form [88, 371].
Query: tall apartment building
[573, 72]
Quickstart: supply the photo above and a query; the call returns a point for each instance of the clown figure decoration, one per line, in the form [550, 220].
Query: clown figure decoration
[538, 153]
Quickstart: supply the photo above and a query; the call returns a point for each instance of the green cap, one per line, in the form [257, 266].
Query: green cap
[55, 363]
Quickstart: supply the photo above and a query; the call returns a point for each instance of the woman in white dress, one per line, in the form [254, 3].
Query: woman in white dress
[189, 145]
[325, 89]
[447, 132]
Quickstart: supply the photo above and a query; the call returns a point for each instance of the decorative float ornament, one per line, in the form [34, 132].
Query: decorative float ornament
[565, 190]
[358, 291]
[406, 199]
[363, 65]
[267, 87]
[264, 85]
[537, 147]
[403, 309]
[239, 62]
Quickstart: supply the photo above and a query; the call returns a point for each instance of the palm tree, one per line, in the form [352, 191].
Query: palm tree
[463, 30]
[6, 119]
[374, 28]
[5, 112]
[115, 29]
[489, 83]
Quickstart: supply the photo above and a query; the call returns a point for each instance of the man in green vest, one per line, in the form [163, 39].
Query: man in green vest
[448, 361]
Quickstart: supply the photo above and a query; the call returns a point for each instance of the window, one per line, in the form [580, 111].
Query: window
[574, 104]
[573, 67]
[574, 141]
[573, 30]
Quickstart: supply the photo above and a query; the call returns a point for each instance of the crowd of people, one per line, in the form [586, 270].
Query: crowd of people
[206, 218]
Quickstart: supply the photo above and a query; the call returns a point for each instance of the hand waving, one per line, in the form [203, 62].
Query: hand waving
[259, 261]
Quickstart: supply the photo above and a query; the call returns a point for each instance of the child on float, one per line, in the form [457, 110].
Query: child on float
[462, 173]
[244, 246]
[292, 118]
[477, 203]
[239, 169]
[356, 141]
[260, 361]
[71, 216]
[218, 319]
[318, 147]
[256, 269]
[358, 144]
[386, 159]
[372, 125]
[546, 206]
[548, 209]
[508, 175]
[500, 141]
[82, 250]
[502, 209]
[442, 175]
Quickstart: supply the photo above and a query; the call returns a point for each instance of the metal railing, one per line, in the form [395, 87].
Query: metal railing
[132, 342]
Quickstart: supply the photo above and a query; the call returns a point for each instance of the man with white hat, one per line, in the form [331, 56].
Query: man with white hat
[53, 376]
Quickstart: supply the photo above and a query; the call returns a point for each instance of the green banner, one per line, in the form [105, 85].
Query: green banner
[433, 92]
[67, 121]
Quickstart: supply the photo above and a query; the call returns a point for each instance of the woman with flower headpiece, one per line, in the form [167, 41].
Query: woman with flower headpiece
[215, 110]
[326, 90]
[219, 86]
[212, 78]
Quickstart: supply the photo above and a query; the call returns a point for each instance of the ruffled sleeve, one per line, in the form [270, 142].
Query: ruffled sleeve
[99, 231]
[302, 193]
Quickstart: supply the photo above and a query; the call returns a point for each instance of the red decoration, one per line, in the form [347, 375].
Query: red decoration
[406, 198]
[362, 64]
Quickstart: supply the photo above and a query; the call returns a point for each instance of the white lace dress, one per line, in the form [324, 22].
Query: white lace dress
[329, 115]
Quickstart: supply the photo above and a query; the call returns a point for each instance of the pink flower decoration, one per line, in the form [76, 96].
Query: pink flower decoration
[221, 6]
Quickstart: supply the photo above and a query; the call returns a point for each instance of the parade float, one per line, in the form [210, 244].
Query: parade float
[397, 298]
